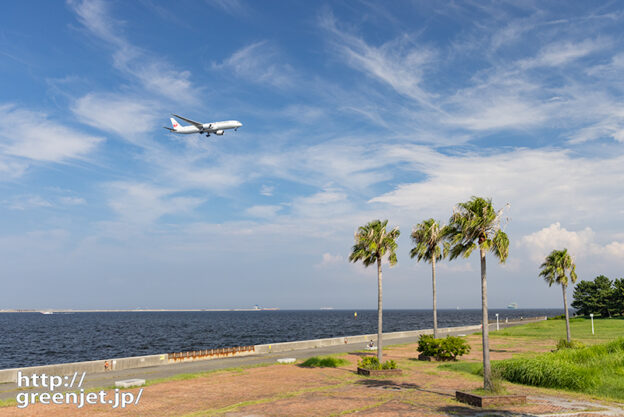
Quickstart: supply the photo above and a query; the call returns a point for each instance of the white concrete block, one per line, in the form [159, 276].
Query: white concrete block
[287, 360]
[127, 383]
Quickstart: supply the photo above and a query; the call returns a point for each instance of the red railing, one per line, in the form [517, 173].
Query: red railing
[211, 353]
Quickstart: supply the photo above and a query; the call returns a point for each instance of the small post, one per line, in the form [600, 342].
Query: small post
[592, 320]
[497, 328]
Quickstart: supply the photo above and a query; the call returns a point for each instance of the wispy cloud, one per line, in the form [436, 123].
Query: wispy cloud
[267, 190]
[155, 74]
[399, 63]
[142, 204]
[233, 7]
[557, 54]
[263, 211]
[261, 63]
[29, 134]
[123, 115]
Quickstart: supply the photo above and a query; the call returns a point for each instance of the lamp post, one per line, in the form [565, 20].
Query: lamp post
[496, 321]
[592, 320]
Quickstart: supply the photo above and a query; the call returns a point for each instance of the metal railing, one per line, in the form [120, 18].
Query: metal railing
[211, 353]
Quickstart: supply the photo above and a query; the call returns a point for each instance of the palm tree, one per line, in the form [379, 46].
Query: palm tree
[559, 268]
[427, 237]
[372, 243]
[476, 223]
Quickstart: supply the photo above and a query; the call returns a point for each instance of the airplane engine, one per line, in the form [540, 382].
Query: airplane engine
[219, 132]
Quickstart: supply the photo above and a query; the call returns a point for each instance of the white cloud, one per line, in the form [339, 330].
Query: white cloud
[11, 169]
[399, 63]
[155, 74]
[561, 53]
[72, 201]
[615, 249]
[32, 135]
[540, 184]
[265, 212]
[542, 242]
[25, 202]
[329, 259]
[123, 115]
[139, 203]
[260, 63]
[233, 7]
[580, 244]
[267, 190]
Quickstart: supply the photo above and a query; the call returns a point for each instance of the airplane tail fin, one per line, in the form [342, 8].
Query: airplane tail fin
[174, 123]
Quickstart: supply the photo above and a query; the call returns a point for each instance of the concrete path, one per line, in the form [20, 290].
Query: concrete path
[107, 379]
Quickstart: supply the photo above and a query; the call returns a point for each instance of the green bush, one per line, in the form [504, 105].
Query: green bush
[448, 348]
[372, 363]
[574, 344]
[389, 365]
[559, 317]
[428, 345]
[324, 362]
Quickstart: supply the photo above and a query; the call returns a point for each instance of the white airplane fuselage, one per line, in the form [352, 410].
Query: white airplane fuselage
[208, 127]
[217, 128]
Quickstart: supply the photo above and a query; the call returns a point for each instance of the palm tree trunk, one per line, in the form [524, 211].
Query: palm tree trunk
[379, 313]
[487, 371]
[435, 308]
[565, 307]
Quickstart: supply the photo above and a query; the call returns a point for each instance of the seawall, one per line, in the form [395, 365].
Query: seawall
[116, 364]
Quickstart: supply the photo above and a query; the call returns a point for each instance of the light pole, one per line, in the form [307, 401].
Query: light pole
[496, 321]
[592, 320]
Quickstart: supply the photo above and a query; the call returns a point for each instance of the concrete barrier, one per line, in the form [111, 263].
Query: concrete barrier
[90, 367]
[347, 340]
[104, 365]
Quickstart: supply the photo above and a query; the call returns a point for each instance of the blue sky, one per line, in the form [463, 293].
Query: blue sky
[352, 111]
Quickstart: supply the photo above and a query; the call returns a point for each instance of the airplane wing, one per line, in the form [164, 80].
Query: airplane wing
[196, 124]
[168, 128]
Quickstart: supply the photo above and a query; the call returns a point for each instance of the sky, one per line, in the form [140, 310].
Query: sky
[351, 111]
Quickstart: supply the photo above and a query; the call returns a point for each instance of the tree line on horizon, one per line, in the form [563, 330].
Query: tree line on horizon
[474, 224]
[600, 296]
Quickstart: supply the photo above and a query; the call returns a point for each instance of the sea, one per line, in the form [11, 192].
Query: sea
[30, 339]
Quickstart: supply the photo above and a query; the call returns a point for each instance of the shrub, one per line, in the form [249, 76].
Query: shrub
[389, 365]
[372, 363]
[559, 317]
[369, 362]
[324, 362]
[428, 345]
[451, 347]
[448, 348]
[574, 344]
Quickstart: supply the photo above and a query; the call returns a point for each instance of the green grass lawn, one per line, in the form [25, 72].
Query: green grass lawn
[597, 369]
[605, 330]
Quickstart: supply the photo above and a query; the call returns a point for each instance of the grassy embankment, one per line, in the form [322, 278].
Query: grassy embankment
[597, 369]
[324, 362]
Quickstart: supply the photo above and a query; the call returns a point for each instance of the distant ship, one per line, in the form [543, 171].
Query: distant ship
[46, 312]
[512, 306]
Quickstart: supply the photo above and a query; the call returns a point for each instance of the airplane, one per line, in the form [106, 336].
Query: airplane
[217, 128]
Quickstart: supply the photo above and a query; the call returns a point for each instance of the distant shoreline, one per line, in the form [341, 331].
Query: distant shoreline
[138, 310]
[153, 310]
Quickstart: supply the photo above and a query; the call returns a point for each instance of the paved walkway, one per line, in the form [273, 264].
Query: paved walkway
[107, 379]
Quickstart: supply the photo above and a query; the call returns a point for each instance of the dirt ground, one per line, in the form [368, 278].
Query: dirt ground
[289, 390]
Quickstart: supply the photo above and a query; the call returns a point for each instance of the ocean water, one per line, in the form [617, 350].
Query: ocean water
[30, 339]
